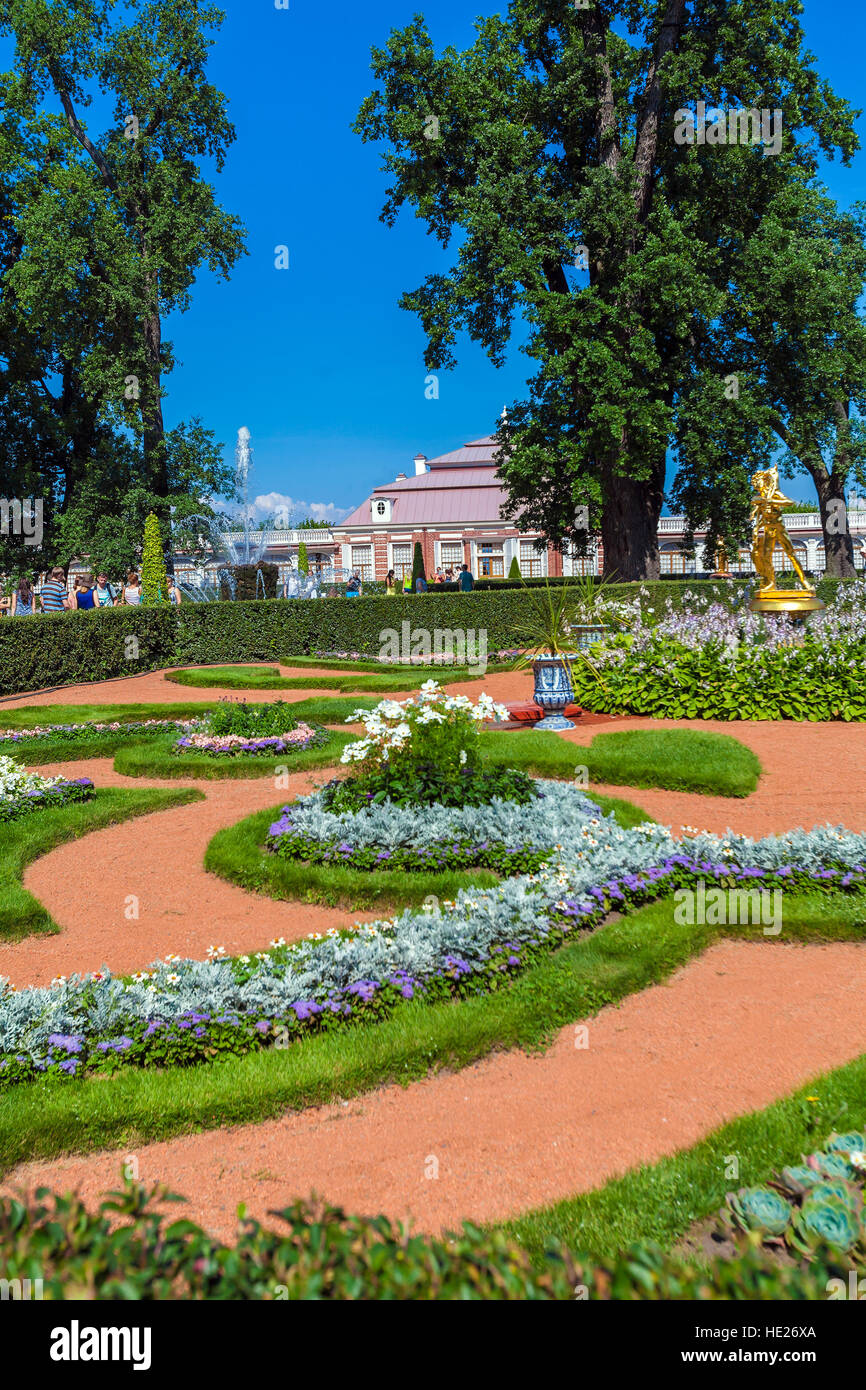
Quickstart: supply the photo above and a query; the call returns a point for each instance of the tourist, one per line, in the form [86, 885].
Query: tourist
[132, 590]
[449, 575]
[54, 595]
[420, 585]
[104, 593]
[391, 585]
[84, 594]
[407, 584]
[353, 588]
[466, 582]
[24, 599]
[439, 577]
[174, 594]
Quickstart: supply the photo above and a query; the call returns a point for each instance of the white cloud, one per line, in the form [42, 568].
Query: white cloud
[289, 511]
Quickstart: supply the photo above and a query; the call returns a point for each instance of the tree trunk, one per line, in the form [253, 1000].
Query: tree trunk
[629, 525]
[153, 427]
[838, 546]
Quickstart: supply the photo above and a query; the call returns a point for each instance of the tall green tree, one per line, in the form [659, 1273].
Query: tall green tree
[134, 198]
[547, 155]
[793, 336]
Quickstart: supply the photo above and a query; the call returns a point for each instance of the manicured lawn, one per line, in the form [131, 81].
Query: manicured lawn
[24, 840]
[155, 759]
[661, 1201]
[236, 854]
[45, 1119]
[677, 759]
[29, 716]
[384, 680]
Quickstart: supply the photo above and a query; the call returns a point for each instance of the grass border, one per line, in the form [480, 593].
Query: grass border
[153, 759]
[661, 1201]
[622, 957]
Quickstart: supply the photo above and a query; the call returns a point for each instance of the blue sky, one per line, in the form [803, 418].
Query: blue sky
[317, 360]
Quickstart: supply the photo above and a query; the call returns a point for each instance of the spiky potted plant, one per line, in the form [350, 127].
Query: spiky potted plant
[546, 631]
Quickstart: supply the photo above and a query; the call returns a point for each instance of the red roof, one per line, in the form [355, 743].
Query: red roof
[461, 488]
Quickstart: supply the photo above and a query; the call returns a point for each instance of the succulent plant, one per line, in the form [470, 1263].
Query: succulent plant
[759, 1209]
[826, 1221]
[837, 1189]
[836, 1165]
[799, 1178]
[852, 1142]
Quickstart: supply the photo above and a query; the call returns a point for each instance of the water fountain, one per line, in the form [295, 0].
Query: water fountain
[232, 543]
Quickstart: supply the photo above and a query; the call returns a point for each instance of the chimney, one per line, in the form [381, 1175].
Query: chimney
[400, 478]
[420, 464]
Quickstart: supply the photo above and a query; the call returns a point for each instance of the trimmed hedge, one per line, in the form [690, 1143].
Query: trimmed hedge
[68, 648]
[56, 649]
[221, 634]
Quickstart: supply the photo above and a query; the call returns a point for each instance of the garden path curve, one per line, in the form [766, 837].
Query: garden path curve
[733, 1031]
[730, 1032]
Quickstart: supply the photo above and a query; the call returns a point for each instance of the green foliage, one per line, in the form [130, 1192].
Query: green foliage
[154, 581]
[417, 564]
[428, 784]
[670, 681]
[68, 648]
[249, 585]
[105, 232]
[317, 1252]
[58, 649]
[303, 559]
[256, 721]
[514, 569]
[555, 131]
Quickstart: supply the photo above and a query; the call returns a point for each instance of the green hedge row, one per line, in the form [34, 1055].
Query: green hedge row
[67, 648]
[211, 633]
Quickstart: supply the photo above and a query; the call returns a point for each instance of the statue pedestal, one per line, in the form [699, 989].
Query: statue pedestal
[789, 603]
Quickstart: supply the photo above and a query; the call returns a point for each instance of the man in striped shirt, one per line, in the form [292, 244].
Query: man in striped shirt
[54, 592]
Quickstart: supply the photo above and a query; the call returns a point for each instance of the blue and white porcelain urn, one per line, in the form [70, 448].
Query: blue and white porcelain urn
[554, 691]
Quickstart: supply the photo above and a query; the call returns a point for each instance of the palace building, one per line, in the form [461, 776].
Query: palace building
[452, 506]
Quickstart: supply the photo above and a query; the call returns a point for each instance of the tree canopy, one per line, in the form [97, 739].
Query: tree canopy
[546, 157]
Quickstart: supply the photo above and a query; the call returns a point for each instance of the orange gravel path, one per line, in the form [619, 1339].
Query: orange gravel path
[86, 886]
[731, 1032]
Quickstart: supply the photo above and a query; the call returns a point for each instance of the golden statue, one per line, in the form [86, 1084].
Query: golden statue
[768, 532]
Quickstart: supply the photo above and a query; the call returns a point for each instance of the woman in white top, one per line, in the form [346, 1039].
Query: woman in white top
[132, 589]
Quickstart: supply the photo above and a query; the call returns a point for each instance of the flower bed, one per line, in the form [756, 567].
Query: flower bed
[711, 662]
[185, 1012]
[507, 836]
[23, 792]
[235, 745]
[91, 733]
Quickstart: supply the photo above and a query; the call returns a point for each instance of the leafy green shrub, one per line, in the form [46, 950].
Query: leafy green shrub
[320, 1253]
[58, 649]
[258, 721]
[427, 784]
[154, 581]
[671, 681]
